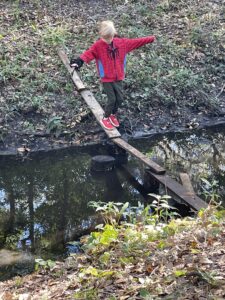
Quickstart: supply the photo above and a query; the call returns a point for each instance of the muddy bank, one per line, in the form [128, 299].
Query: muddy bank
[175, 84]
[90, 133]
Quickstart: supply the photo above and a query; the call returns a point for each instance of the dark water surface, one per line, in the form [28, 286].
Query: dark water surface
[200, 153]
[44, 199]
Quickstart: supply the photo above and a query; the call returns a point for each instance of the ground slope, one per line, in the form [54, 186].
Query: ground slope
[177, 82]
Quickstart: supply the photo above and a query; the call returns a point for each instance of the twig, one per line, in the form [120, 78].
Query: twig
[222, 89]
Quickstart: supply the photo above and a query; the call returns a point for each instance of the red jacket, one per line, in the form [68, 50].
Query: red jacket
[111, 58]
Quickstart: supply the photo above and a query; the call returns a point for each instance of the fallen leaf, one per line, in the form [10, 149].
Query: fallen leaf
[6, 296]
[205, 260]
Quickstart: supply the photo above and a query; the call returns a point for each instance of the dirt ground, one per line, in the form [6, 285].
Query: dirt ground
[26, 110]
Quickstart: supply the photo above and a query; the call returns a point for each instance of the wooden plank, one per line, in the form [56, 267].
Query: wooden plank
[88, 96]
[175, 188]
[76, 79]
[186, 182]
[154, 167]
[98, 112]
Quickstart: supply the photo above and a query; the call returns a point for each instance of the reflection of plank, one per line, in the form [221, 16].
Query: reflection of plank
[186, 182]
[154, 167]
[175, 188]
[133, 181]
[88, 96]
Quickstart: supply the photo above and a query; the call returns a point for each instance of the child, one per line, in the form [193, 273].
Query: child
[110, 53]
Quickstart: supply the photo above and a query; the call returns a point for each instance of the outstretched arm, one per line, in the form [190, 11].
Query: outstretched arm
[90, 54]
[132, 44]
[86, 57]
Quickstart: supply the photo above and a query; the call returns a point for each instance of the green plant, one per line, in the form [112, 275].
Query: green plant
[210, 191]
[54, 125]
[162, 211]
[3, 133]
[89, 293]
[110, 211]
[28, 126]
[140, 213]
[44, 264]
[12, 241]
[37, 102]
[55, 36]
[18, 281]
[10, 70]
[102, 239]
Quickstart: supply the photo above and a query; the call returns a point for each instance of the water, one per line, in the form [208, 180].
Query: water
[201, 154]
[44, 199]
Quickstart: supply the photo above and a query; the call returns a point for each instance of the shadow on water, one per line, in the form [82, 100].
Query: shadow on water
[44, 198]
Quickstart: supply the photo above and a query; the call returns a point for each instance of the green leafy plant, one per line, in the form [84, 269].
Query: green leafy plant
[162, 210]
[89, 293]
[210, 191]
[111, 212]
[102, 239]
[12, 241]
[54, 125]
[141, 213]
[37, 102]
[55, 36]
[44, 264]
[18, 281]
[28, 126]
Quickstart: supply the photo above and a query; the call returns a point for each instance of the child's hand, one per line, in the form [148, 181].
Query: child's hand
[76, 63]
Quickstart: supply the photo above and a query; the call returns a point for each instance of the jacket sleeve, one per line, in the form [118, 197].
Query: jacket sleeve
[90, 54]
[132, 44]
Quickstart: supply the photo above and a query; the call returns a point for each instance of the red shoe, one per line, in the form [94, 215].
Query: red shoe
[114, 121]
[107, 124]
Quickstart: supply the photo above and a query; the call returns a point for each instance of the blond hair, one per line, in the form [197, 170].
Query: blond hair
[107, 29]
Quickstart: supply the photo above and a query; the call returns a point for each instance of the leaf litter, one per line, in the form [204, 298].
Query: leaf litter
[132, 265]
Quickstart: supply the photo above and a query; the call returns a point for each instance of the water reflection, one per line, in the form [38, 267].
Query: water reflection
[44, 201]
[200, 154]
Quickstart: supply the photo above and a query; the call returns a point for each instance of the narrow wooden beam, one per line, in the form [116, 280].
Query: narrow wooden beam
[154, 167]
[76, 79]
[88, 97]
[174, 188]
[186, 182]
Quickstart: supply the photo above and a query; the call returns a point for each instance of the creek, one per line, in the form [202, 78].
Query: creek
[44, 197]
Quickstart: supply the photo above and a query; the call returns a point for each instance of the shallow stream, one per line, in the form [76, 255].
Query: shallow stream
[44, 198]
